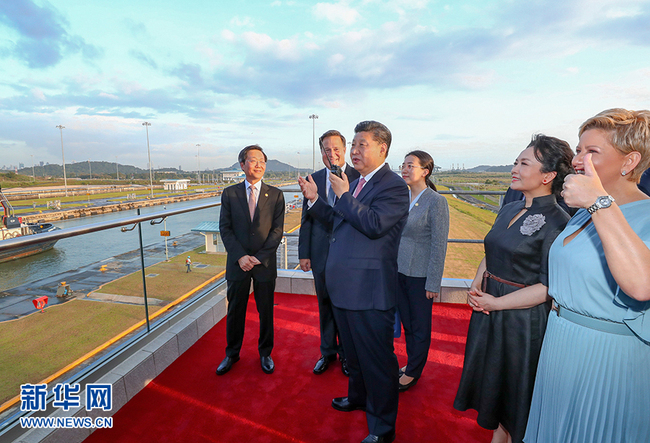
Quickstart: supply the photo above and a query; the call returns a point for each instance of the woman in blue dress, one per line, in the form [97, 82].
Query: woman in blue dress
[511, 287]
[593, 378]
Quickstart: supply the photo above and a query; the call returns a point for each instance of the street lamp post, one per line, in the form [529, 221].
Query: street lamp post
[198, 159]
[313, 117]
[146, 126]
[65, 179]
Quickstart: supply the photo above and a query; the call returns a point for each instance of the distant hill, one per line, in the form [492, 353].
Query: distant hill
[106, 169]
[488, 168]
[81, 169]
[271, 166]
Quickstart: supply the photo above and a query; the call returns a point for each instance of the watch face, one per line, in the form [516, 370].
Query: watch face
[605, 201]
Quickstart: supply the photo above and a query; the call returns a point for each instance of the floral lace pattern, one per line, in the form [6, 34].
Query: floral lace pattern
[532, 224]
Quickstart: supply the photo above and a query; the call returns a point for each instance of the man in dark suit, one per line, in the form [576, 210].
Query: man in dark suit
[313, 247]
[251, 225]
[361, 274]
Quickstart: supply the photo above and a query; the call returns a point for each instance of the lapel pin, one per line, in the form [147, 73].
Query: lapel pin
[266, 195]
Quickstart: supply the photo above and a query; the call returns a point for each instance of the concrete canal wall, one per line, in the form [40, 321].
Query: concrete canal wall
[103, 209]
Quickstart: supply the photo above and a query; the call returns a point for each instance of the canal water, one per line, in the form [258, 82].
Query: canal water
[74, 252]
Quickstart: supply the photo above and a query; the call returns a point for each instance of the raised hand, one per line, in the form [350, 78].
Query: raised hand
[582, 189]
[340, 185]
[309, 188]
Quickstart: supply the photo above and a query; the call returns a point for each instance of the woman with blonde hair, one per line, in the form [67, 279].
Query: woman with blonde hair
[593, 380]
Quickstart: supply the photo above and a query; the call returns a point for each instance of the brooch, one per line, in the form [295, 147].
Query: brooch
[532, 224]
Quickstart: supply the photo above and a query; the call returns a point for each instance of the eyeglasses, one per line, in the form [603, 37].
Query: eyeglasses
[409, 167]
[256, 162]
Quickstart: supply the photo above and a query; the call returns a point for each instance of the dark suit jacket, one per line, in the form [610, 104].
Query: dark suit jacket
[361, 270]
[259, 237]
[644, 184]
[314, 237]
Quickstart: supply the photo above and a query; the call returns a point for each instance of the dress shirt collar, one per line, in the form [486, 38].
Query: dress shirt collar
[369, 176]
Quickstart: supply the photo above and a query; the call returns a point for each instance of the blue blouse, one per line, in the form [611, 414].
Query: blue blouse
[580, 280]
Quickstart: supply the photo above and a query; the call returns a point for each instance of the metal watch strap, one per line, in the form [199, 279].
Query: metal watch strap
[598, 205]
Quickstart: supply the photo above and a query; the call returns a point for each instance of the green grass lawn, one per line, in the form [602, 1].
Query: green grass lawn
[469, 222]
[172, 281]
[34, 347]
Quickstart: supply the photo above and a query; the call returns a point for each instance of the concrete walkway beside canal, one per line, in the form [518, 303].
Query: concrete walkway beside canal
[17, 302]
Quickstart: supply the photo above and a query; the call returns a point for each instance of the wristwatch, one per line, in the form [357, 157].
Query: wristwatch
[604, 201]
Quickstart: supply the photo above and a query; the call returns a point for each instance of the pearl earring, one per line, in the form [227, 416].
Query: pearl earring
[623, 172]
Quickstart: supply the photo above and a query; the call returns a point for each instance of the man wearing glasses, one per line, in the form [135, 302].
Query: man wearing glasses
[313, 247]
[251, 226]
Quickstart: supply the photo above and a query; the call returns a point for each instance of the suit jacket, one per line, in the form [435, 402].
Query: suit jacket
[259, 237]
[361, 269]
[423, 246]
[644, 184]
[314, 237]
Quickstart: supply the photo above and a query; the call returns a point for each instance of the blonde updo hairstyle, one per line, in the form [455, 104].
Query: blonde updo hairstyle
[627, 131]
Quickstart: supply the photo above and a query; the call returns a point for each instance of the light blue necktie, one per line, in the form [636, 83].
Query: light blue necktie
[331, 197]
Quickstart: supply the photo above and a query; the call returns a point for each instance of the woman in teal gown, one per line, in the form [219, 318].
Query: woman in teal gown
[593, 377]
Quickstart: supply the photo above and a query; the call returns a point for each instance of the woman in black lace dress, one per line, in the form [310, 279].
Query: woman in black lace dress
[509, 294]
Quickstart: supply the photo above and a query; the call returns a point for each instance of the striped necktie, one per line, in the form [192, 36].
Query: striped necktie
[251, 202]
[359, 187]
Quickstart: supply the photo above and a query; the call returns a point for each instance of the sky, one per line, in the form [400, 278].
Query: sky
[467, 81]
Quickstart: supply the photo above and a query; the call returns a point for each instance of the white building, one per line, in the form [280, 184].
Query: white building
[175, 185]
[213, 242]
[231, 176]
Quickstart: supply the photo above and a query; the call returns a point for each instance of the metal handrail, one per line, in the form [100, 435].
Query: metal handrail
[459, 192]
[26, 240]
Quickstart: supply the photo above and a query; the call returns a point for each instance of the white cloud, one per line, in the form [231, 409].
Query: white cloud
[36, 92]
[339, 13]
[228, 35]
[111, 96]
[285, 49]
[335, 60]
[242, 21]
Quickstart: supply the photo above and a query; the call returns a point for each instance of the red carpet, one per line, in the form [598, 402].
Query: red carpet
[189, 403]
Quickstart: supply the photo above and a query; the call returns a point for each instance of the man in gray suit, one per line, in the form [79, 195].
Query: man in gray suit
[313, 248]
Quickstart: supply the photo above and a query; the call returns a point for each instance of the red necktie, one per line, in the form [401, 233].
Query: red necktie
[251, 202]
[362, 181]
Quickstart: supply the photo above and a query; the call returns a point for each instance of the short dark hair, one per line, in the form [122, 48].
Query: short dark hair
[555, 155]
[244, 152]
[380, 133]
[331, 133]
[426, 162]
